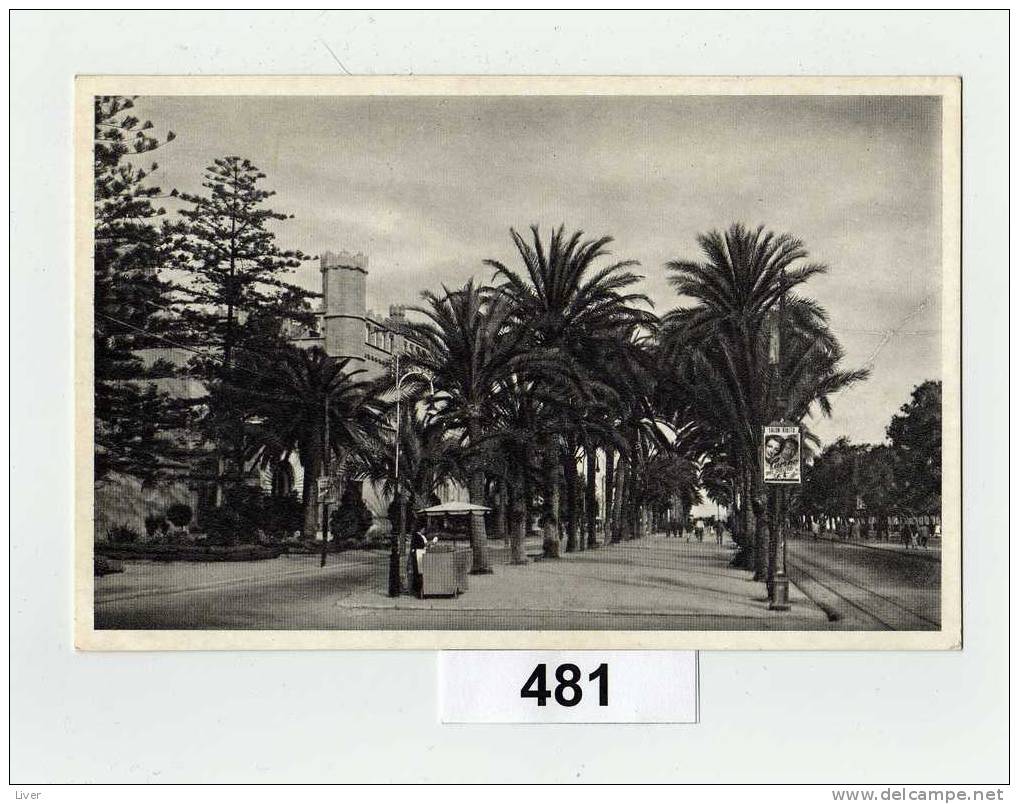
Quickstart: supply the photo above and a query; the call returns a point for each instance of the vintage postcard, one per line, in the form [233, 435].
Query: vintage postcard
[547, 362]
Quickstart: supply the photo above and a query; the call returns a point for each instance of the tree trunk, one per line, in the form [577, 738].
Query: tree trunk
[479, 538]
[629, 503]
[581, 498]
[309, 497]
[735, 514]
[570, 481]
[744, 522]
[619, 492]
[633, 506]
[518, 525]
[527, 504]
[550, 530]
[500, 529]
[607, 516]
[759, 503]
[591, 496]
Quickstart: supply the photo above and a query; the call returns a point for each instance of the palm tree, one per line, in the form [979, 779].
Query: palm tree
[287, 405]
[720, 346]
[468, 349]
[570, 308]
[429, 456]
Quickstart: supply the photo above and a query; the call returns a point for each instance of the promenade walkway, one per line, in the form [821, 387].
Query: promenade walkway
[652, 583]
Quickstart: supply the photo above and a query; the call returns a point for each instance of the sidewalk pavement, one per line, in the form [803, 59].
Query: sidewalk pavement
[653, 576]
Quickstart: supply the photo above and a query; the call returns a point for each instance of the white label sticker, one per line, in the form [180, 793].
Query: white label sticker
[587, 686]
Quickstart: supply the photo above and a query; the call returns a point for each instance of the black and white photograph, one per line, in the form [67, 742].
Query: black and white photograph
[413, 363]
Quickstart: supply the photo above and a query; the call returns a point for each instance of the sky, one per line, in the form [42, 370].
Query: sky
[428, 188]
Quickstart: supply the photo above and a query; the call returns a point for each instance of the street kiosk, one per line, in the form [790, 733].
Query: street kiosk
[446, 560]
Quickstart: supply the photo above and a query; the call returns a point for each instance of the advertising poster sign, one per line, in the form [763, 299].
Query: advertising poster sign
[781, 460]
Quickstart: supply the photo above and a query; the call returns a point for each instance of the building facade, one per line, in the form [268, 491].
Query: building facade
[345, 328]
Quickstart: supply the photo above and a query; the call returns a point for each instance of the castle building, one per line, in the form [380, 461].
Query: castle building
[345, 328]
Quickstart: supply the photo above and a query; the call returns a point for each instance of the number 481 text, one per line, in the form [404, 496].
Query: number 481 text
[568, 691]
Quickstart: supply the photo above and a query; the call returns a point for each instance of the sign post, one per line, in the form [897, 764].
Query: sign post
[325, 497]
[781, 465]
[325, 490]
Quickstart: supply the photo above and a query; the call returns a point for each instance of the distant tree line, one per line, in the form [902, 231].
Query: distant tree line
[900, 477]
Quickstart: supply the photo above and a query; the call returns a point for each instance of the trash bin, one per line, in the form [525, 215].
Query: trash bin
[439, 571]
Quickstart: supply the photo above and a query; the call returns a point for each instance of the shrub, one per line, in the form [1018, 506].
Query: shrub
[248, 516]
[122, 534]
[247, 504]
[351, 519]
[106, 566]
[177, 537]
[281, 516]
[154, 523]
[179, 514]
[223, 525]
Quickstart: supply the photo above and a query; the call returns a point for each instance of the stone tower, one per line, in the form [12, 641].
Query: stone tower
[344, 279]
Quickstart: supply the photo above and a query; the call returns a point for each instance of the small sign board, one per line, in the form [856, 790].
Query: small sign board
[781, 458]
[326, 485]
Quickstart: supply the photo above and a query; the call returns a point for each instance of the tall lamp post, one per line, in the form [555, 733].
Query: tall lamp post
[325, 476]
[780, 581]
[397, 550]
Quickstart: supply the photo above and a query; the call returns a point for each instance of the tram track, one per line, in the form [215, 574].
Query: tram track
[840, 593]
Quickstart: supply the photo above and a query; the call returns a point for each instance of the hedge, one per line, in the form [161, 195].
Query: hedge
[190, 552]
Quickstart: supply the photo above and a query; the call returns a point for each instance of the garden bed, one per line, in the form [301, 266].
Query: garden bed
[189, 552]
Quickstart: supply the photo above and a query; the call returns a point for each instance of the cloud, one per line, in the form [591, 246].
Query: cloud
[428, 188]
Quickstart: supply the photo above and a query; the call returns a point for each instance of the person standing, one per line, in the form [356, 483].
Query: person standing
[418, 547]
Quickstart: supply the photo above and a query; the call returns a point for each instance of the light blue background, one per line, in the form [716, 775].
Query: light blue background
[319, 717]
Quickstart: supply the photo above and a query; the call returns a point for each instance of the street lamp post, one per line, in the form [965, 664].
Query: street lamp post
[780, 581]
[399, 543]
[325, 474]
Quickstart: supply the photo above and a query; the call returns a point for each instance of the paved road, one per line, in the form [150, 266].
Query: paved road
[257, 593]
[652, 584]
[868, 588]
